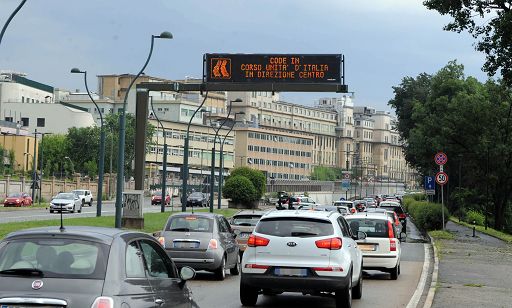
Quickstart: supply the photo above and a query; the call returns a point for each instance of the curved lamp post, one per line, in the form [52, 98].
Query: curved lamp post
[164, 159]
[221, 164]
[99, 196]
[122, 133]
[9, 19]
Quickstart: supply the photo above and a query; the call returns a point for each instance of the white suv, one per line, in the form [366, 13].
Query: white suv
[84, 195]
[309, 252]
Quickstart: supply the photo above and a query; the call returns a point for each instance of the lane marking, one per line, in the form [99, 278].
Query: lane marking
[431, 292]
[413, 303]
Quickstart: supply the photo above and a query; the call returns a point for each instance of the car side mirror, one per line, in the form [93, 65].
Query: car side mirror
[187, 273]
[360, 235]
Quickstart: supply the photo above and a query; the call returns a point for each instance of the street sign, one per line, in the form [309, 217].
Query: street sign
[345, 184]
[273, 68]
[441, 158]
[430, 192]
[346, 176]
[441, 178]
[430, 183]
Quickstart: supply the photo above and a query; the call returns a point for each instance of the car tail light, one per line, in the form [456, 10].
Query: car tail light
[213, 244]
[402, 216]
[257, 266]
[352, 210]
[161, 240]
[328, 269]
[103, 302]
[330, 243]
[390, 230]
[256, 241]
[392, 244]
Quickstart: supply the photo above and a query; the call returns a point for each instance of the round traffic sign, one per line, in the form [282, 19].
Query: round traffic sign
[441, 178]
[346, 176]
[441, 158]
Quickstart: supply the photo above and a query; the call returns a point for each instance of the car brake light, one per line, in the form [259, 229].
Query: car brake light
[161, 240]
[392, 244]
[390, 230]
[257, 266]
[402, 215]
[103, 302]
[256, 241]
[352, 210]
[330, 243]
[213, 244]
[328, 269]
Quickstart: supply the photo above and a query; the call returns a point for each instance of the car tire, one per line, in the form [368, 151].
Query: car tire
[357, 291]
[248, 295]
[343, 297]
[83, 202]
[90, 202]
[220, 273]
[73, 210]
[236, 269]
[394, 272]
[79, 210]
[399, 269]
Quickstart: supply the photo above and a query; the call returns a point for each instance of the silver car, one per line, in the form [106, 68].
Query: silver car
[203, 241]
[69, 202]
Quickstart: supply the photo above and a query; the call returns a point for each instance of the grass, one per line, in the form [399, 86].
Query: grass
[24, 208]
[441, 235]
[490, 231]
[152, 222]
[474, 285]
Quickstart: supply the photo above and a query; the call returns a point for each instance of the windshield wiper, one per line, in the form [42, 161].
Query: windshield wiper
[181, 229]
[23, 272]
[304, 234]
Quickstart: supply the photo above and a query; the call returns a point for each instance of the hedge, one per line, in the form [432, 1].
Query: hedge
[239, 189]
[427, 216]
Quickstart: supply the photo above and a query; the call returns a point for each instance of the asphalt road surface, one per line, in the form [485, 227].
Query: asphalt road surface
[378, 290]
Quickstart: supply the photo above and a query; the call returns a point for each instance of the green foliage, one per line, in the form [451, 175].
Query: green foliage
[441, 235]
[239, 189]
[256, 177]
[91, 168]
[321, 173]
[427, 216]
[475, 217]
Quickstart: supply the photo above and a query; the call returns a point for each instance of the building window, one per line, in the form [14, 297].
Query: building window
[24, 122]
[40, 122]
[9, 119]
[23, 99]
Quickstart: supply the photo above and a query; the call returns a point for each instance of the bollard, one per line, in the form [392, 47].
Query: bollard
[474, 231]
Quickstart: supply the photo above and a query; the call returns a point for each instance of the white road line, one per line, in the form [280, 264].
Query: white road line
[413, 303]
[432, 290]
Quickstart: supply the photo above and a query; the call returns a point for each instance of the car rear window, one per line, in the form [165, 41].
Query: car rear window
[190, 223]
[397, 209]
[296, 227]
[245, 220]
[56, 258]
[372, 227]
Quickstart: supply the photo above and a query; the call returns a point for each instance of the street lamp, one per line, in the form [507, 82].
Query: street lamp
[164, 159]
[221, 164]
[72, 167]
[101, 168]
[9, 19]
[122, 133]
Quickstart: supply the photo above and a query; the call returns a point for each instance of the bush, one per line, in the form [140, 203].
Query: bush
[256, 177]
[475, 216]
[428, 216]
[239, 189]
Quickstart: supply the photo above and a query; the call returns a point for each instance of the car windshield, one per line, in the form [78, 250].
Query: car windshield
[190, 223]
[245, 220]
[294, 227]
[65, 196]
[54, 258]
[14, 195]
[372, 227]
[396, 209]
[196, 195]
[158, 193]
[79, 192]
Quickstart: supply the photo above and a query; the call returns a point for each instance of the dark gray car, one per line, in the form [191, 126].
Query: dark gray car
[197, 199]
[203, 241]
[89, 267]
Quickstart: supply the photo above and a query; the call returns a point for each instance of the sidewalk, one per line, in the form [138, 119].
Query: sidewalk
[473, 271]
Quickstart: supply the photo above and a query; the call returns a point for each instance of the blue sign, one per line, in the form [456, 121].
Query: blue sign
[345, 184]
[430, 183]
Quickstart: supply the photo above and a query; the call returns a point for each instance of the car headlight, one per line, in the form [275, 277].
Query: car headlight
[17, 200]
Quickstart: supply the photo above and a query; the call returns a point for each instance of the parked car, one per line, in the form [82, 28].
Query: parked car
[89, 267]
[84, 195]
[18, 199]
[242, 224]
[302, 251]
[66, 202]
[203, 241]
[296, 201]
[397, 208]
[381, 247]
[197, 199]
[156, 198]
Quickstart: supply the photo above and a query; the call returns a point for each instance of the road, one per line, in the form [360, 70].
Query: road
[378, 290]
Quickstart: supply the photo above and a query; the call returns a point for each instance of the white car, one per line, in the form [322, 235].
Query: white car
[309, 252]
[69, 202]
[84, 195]
[381, 247]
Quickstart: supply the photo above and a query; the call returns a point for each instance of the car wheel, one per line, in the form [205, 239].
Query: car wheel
[79, 210]
[357, 291]
[90, 203]
[394, 272]
[236, 269]
[83, 202]
[248, 295]
[220, 273]
[398, 269]
[73, 210]
[343, 297]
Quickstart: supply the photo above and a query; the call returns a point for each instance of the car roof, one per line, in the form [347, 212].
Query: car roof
[299, 213]
[389, 203]
[250, 212]
[200, 214]
[367, 215]
[98, 234]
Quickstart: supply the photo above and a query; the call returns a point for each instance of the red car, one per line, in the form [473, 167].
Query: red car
[156, 198]
[18, 199]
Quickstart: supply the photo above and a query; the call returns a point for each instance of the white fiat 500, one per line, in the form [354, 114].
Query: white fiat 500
[381, 247]
[311, 252]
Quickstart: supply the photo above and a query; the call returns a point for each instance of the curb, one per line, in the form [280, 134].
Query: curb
[415, 299]
[431, 292]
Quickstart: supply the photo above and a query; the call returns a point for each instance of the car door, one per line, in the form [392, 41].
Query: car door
[355, 253]
[163, 277]
[228, 240]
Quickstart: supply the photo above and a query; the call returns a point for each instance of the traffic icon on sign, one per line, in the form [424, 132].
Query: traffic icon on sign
[441, 178]
[441, 158]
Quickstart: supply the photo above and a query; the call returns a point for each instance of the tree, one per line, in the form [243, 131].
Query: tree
[321, 173]
[239, 189]
[55, 149]
[82, 146]
[256, 177]
[488, 21]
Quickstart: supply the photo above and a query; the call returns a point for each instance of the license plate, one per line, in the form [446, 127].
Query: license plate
[186, 244]
[300, 272]
[367, 247]
[24, 306]
[244, 235]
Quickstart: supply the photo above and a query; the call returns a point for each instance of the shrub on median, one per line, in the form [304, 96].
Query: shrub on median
[427, 215]
[476, 217]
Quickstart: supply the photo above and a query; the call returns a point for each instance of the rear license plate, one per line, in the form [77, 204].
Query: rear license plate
[300, 272]
[25, 306]
[367, 247]
[244, 235]
[186, 244]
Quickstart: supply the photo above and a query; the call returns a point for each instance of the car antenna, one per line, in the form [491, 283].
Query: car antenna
[62, 229]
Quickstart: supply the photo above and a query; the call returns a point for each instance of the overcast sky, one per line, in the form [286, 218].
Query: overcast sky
[382, 40]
